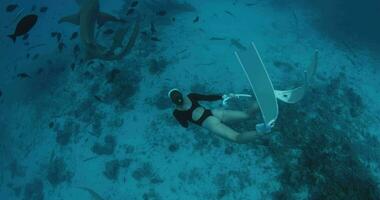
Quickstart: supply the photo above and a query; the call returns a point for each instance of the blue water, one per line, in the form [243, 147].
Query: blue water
[79, 128]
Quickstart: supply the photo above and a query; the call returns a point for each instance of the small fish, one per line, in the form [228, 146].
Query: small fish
[61, 45]
[35, 56]
[196, 19]
[74, 35]
[43, 9]
[27, 55]
[72, 66]
[53, 34]
[24, 26]
[130, 11]
[23, 75]
[155, 39]
[152, 28]
[173, 19]
[59, 36]
[1, 93]
[34, 7]
[237, 44]
[144, 33]
[94, 195]
[98, 98]
[250, 4]
[40, 70]
[134, 4]
[90, 62]
[25, 37]
[76, 49]
[11, 7]
[217, 38]
[161, 13]
[228, 12]
[51, 125]
[108, 32]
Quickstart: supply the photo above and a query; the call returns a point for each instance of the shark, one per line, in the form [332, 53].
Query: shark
[88, 18]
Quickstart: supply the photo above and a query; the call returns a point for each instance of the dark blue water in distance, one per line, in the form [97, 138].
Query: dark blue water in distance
[85, 112]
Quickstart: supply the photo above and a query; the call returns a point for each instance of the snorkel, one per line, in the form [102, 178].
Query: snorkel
[176, 96]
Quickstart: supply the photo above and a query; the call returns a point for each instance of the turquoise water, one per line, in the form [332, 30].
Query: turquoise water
[92, 128]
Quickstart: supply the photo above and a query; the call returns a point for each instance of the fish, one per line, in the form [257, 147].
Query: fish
[34, 7]
[196, 19]
[1, 93]
[152, 28]
[155, 39]
[59, 36]
[24, 26]
[108, 32]
[43, 9]
[23, 75]
[76, 49]
[98, 98]
[237, 44]
[61, 45]
[53, 34]
[134, 3]
[250, 4]
[40, 70]
[25, 37]
[94, 195]
[217, 38]
[74, 35]
[35, 56]
[51, 125]
[228, 12]
[161, 13]
[72, 66]
[173, 19]
[11, 7]
[130, 11]
[27, 55]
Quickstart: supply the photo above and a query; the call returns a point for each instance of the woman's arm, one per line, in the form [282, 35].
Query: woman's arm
[201, 97]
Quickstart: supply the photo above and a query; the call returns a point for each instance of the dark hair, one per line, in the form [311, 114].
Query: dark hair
[176, 97]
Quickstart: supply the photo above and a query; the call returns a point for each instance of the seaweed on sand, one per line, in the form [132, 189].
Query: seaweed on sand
[123, 85]
[112, 168]
[146, 172]
[157, 66]
[57, 172]
[232, 181]
[327, 164]
[107, 148]
[64, 135]
[160, 100]
[16, 169]
[34, 190]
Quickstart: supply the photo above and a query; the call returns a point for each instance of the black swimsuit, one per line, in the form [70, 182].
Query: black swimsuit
[183, 116]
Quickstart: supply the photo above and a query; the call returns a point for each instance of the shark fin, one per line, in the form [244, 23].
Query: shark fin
[105, 17]
[74, 19]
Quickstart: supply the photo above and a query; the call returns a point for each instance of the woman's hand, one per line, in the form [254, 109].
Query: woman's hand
[228, 96]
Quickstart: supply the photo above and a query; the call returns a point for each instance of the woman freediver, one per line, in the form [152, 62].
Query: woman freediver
[188, 109]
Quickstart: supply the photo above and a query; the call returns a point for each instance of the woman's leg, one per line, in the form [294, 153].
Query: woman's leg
[229, 115]
[214, 125]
